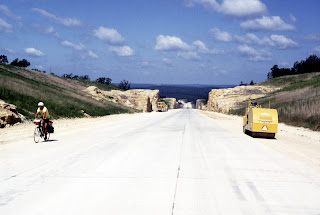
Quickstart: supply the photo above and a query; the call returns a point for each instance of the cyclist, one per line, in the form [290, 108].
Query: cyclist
[44, 116]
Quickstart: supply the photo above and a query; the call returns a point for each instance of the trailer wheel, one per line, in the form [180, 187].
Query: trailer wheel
[253, 134]
[263, 135]
[247, 132]
[272, 135]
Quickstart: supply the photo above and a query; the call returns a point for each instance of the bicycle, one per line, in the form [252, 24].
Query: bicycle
[39, 131]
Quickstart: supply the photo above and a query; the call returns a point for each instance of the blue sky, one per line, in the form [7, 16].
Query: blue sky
[161, 42]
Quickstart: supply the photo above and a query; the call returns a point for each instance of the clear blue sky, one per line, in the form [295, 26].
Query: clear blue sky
[161, 42]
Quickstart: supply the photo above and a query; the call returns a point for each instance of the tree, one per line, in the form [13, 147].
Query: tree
[242, 84]
[69, 76]
[23, 63]
[15, 62]
[104, 80]
[108, 81]
[310, 65]
[252, 83]
[275, 71]
[101, 80]
[124, 85]
[76, 77]
[3, 59]
[84, 77]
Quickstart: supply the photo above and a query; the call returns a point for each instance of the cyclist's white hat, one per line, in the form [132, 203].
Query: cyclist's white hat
[40, 104]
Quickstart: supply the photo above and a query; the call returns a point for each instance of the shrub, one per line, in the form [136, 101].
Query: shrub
[3, 59]
[22, 63]
[124, 85]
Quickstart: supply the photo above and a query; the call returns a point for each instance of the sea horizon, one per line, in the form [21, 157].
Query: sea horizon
[190, 92]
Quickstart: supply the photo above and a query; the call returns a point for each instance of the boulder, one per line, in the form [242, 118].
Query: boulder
[141, 99]
[222, 100]
[8, 114]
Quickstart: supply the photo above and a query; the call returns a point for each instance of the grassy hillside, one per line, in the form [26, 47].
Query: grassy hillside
[63, 97]
[297, 100]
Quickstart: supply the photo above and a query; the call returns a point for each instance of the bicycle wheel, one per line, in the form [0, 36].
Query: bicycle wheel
[36, 135]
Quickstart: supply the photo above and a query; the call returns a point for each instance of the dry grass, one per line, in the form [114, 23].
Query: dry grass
[299, 107]
[298, 102]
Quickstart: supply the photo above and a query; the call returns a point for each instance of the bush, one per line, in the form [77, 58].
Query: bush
[22, 63]
[104, 80]
[124, 85]
[3, 59]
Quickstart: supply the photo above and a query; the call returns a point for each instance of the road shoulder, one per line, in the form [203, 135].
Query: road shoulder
[296, 143]
[25, 130]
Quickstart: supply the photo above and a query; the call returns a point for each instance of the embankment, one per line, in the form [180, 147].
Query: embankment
[64, 98]
[296, 97]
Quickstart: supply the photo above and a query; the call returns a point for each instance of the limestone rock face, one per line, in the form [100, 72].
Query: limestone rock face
[171, 102]
[222, 100]
[141, 99]
[200, 104]
[8, 114]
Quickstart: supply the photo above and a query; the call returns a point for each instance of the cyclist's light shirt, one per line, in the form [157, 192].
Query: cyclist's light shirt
[47, 116]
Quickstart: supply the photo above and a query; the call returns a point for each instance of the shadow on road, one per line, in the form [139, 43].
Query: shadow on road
[50, 141]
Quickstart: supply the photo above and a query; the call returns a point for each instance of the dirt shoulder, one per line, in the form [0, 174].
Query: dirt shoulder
[25, 130]
[296, 143]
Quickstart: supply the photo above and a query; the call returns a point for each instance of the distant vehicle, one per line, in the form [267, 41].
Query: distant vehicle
[162, 107]
[260, 122]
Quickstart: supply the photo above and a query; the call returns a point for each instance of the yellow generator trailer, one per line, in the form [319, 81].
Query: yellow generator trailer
[260, 122]
[162, 107]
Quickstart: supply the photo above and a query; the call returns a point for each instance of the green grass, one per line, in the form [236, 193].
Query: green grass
[238, 111]
[64, 107]
[289, 80]
[314, 82]
[8, 66]
[101, 86]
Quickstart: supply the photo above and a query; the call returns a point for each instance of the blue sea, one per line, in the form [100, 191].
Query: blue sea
[190, 92]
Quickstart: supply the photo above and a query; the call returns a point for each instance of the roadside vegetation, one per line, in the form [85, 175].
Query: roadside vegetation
[64, 97]
[298, 96]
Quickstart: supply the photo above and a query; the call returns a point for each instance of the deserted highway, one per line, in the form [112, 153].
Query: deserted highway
[178, 162]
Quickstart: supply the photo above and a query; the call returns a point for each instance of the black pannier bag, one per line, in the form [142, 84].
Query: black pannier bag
[51, 128]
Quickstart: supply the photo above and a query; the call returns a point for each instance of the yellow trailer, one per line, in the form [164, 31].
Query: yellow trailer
[162, 107]
[260, 122]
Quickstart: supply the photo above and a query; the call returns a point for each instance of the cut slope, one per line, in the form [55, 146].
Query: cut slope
[63, 97]
[297, 101]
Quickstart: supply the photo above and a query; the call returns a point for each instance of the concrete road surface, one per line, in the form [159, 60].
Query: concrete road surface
[179, 162]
